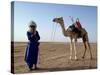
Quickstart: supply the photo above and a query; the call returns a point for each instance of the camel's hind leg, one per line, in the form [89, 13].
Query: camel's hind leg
[86, 44]
[89, 49]
[85, 49]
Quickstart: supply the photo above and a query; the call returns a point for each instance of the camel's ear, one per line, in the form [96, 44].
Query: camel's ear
[61, 17]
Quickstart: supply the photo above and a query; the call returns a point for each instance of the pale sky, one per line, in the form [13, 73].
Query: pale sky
[43, 14]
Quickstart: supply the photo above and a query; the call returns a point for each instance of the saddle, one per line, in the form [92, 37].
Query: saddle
[72, 28]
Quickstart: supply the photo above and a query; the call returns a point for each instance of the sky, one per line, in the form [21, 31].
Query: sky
[43, 14]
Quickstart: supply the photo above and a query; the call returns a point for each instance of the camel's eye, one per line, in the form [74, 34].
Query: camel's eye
[58, 18]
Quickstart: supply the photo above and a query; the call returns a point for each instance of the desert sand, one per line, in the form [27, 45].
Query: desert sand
[55, 57]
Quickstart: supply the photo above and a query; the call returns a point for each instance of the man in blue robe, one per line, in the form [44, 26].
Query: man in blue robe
[31, 54]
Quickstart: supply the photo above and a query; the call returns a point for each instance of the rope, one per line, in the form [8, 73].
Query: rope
[52, 32]
[54, 27]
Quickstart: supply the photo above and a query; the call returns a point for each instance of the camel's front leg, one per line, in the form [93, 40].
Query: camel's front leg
[75, 48]
[70, 50]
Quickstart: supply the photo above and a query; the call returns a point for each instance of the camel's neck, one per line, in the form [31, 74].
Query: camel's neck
[63, 29]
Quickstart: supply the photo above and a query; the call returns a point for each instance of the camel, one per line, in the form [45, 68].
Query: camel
[73, 37]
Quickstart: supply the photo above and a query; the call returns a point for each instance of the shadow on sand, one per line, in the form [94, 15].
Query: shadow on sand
[61, 69]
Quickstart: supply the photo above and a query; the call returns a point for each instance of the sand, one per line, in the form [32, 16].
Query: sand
[55, 57]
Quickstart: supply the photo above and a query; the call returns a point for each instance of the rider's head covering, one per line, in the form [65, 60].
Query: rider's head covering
[32, 24]
[77, 19]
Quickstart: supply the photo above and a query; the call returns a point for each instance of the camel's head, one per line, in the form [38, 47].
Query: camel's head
[58, 20]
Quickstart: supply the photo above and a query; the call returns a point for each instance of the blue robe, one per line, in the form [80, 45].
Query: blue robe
[31, 54]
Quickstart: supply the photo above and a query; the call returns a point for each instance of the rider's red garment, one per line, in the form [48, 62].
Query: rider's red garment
[78, 24]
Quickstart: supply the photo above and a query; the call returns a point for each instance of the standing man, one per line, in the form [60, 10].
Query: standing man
[31, 55]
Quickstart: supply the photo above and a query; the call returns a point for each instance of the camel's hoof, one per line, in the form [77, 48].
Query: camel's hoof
[91, 58]
[70, 58]
[76, 59]
[83, 57]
